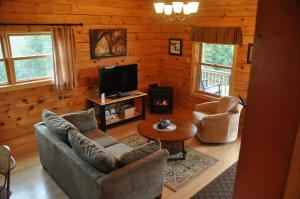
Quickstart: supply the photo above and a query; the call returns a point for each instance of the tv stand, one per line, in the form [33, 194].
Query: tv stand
[95, 101]
[119, 95]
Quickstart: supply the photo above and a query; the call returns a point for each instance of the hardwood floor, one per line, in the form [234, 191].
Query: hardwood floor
[30, 181]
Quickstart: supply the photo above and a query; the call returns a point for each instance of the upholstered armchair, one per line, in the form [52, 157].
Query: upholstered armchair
[218, 121]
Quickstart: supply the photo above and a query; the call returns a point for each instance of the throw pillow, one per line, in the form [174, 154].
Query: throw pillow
[57, 125]
[228, 104]
[83, 120]
[140, 152]
[93, 153]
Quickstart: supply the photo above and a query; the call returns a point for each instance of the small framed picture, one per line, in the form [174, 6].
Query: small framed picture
[175, 47]
[250, 53]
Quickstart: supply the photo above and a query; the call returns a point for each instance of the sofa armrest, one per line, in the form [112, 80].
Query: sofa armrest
[143, 178]
[77, 177]
[210, 107]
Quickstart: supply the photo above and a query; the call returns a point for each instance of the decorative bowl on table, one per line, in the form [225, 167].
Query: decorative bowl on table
[164, 125]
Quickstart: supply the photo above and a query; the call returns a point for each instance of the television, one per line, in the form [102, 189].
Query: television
[117, 80]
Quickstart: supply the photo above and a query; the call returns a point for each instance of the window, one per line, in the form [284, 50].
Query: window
[213, 68]
[25, 58]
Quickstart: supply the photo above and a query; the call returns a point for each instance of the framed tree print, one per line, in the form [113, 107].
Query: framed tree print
[107, 43]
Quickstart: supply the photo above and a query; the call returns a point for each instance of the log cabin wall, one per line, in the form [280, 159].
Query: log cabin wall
[176, 71]
[19, 110]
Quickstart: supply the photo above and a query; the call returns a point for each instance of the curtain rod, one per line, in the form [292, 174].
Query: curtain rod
[43, 24]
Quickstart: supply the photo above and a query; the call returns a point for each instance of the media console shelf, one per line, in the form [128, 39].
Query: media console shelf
[95, 101]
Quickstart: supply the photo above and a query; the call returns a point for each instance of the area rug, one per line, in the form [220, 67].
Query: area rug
[178, 173]
[219, 188]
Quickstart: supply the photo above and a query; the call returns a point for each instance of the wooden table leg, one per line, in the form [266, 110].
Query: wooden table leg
[175, 148]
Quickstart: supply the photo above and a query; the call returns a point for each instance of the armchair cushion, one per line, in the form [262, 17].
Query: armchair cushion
[208, 107]
[228, 104]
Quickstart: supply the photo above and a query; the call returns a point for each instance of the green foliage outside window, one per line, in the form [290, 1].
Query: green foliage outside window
[3, 77]
[32, 45]
[218, 54]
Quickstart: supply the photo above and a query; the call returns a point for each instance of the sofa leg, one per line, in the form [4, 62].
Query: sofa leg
[158, 197]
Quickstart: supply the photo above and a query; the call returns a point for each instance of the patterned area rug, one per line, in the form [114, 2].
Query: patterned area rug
[221, 187]
[178, 173]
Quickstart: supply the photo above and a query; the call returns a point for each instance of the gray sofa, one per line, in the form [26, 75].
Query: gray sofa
[142, 179]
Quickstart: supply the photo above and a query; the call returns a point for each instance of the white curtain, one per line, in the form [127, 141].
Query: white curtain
[64, 58]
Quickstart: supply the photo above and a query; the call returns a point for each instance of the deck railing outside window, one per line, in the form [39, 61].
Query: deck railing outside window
[216, 82]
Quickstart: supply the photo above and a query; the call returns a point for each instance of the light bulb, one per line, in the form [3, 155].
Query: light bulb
[159, 7]
[177, 7]
[194, 5]
[186, 9]
[168, 9]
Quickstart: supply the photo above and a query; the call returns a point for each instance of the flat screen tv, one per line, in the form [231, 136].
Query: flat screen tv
[118, 79]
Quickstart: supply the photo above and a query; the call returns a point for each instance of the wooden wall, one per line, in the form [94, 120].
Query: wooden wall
[19, 110]
[176, 71]
[271, 122]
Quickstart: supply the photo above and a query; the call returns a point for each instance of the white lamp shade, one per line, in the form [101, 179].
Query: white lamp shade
[159, 7]
[194, 5]
[186, 9]
[168, 9]
[177, 6]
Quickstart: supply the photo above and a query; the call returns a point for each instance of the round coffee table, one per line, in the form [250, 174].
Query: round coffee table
[173, 141]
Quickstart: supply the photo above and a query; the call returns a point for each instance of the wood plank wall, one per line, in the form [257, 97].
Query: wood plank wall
[148, 38]
[176, 71]
[19, 110]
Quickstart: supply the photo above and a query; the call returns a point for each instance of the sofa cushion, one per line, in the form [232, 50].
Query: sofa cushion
[228, 104]
[140, 152]
[118, 150]
[92, 152]
[57, 125]
[100, 138]
[83, 120]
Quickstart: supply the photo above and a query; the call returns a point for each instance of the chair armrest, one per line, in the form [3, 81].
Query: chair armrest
[220, 116]
[220, 120]
[210, 107]
[143, 178]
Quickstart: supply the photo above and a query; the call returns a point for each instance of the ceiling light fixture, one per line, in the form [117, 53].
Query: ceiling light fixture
[176, 10]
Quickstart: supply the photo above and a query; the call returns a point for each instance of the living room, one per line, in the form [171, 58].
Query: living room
[225, 48]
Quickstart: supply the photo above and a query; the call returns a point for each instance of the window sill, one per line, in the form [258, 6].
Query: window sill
[204, 96]
[26, 85]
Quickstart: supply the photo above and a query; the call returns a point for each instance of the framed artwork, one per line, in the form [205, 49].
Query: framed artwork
[175, 47]
[250, 53]
[107, 43]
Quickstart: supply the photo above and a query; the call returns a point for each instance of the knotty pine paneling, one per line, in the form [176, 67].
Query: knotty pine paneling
[176, 71]
[19, 110]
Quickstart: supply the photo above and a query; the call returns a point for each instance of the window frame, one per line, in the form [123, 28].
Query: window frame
[197, 48]
[12, 83]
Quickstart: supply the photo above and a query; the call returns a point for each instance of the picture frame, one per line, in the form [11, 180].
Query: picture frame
[175, 47]
[250, 53]
[107, 43]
